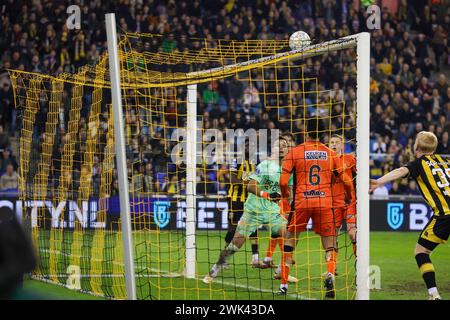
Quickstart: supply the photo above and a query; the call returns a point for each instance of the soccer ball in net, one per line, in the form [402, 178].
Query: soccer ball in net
[299, 40]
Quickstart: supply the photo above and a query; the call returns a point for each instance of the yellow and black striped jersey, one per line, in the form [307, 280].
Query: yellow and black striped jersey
[432, 174]
[238, 191]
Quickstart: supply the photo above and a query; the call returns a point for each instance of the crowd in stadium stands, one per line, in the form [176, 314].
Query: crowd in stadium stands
[409, 83]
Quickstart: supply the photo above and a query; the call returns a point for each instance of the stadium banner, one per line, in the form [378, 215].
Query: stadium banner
[150, 213]
[399, 214]
[164, 213]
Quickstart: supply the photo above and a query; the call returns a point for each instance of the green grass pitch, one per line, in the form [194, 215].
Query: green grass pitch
[391, 251]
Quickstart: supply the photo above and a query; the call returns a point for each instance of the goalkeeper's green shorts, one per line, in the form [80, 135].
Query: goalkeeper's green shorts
[252, 219]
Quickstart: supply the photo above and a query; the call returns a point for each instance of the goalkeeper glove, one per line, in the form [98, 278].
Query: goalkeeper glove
[274, 196]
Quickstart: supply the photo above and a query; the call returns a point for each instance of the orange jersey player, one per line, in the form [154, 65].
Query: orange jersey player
[313, 165]
[343, 209]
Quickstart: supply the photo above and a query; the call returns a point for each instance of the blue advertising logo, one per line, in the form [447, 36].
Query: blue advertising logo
[161, 213]
[395, 214]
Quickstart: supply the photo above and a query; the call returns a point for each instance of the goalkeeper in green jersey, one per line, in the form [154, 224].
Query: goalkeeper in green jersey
[261, 206]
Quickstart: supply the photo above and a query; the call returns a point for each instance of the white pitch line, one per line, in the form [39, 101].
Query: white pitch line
[167, 274]
[174, 275]
[252, 288]
[262, 290]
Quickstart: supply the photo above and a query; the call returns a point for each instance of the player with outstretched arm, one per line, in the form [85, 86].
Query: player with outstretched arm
[432, 174]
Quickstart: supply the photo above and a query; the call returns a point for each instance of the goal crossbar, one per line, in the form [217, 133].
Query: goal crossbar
[303, 53]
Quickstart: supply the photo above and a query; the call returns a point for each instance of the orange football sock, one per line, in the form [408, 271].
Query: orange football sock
[281, 243]
[285, 269]
[271, 247]
[331, 263]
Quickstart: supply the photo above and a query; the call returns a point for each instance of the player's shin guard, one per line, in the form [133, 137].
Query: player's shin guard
[331, 257]
[426, 269]
[281, 243]
[286, 264]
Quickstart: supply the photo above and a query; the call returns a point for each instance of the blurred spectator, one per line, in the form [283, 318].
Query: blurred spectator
[172, 187]
[383, 191]
[149, 182]
[169, 44]
[396, 188]
[115, 187]
[444, 144]
[441, 85]
[137, 181]
[412, 189]
[4, 139]
[205, 185]
[379, 146]
[8, 158]
[10, 179]
[7, 112]
[251, 96]
[163, 186]
[210, 97]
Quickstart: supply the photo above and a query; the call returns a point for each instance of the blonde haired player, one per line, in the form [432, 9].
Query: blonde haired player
[432, 174]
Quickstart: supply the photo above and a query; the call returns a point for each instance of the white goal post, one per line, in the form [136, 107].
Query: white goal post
[359, 41]
[119, 135]
[362, 166]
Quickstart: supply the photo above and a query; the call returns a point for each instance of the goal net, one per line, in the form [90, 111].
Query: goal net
[189, 106]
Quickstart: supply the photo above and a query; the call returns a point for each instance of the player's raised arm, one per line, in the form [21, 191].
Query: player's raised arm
[288, 167]
[388, 177]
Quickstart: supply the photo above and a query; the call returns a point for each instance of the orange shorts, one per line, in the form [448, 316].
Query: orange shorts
[322, 218]
[348, 213]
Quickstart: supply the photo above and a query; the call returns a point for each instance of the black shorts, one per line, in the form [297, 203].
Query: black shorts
[235, 212]
[436, 231]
